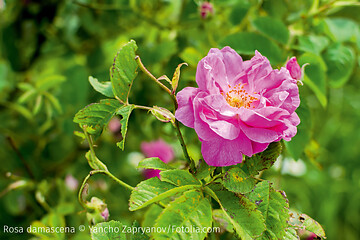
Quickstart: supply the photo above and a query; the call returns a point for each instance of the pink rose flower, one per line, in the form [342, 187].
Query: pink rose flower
[114, 125]
[293, 67]
[240, 107]
[159, 149]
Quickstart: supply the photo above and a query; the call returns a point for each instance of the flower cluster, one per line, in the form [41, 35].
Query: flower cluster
[240, 107]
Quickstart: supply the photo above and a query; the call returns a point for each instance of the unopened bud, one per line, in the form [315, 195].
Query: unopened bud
[206, 9]
[294, 69]
[163, 114]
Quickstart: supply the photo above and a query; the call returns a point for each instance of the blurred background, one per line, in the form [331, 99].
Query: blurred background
[48, 49]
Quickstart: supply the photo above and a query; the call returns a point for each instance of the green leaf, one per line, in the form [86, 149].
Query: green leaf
[179, 177]
[238, 12]
[247, 221]
[297, 144]
[313, 226]
[315, 75]
[41, 234]
[25, 86]
[20, 109]
[222, 221]
[153, 190]
[80, 135]
[153, 163]
[54, 101]
[104, 88]
[164, 77]
[189, 211]
[237, 181]
[123, 71]
[358, 38]
[290, 234]
[151, 214]
[65, 208]
[274, 207]
[3, 76]
[204, 170]
[264, 160]
[273, 28]
[38, 104]
[248, 42]
[176, 77]
[137, 234]
[312, 43]
[341, 29]
[27, 96]
[340, 61]
[125, 112]
[97, 115]
[98, 233]
[55, 220]
[303, 221]
[47, 82]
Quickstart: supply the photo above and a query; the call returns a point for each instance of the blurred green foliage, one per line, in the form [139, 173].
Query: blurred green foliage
[50, 48]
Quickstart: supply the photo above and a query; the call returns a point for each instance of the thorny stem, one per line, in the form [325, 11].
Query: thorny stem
[117, 180]
[94, 162]
[41, 200]
[182, 142]
[258, 179]
[173, 98]
[105, 172]
[81, 191]
[93, 172]
[319, 9]
[142, 107]
[161, 204]
[179, 135]
[89, 140]
[144, 70]
[21, 157]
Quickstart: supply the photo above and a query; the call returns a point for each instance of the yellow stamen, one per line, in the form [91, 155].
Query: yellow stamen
[239, 97]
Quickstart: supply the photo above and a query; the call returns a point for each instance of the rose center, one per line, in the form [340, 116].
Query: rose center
[239, 97]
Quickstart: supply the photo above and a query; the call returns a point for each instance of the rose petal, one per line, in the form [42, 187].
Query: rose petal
[262, 118]
[219, 152]
[219, 104]
[202, 128]
[233, 64]
[185, 111]
[209, 78]
[258, 147]
[260, 135]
